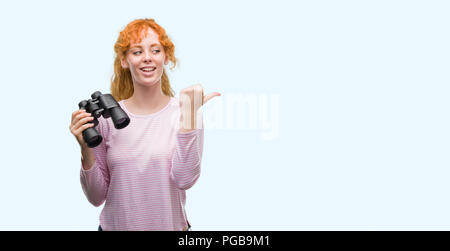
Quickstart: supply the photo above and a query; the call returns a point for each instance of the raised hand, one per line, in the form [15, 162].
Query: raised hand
[191, 99]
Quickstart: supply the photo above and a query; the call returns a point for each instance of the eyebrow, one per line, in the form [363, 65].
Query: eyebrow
[140, 46]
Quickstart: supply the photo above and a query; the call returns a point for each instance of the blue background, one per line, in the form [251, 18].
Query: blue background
[363, 113]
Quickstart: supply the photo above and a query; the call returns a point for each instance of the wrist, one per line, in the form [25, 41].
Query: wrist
[182, 130]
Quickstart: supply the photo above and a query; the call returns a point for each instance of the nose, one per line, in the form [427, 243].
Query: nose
[147, 58]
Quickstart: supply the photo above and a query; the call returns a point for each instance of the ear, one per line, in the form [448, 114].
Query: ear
[123, 62]
[166, 59]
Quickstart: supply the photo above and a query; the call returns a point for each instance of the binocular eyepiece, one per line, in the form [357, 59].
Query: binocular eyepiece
[102, 105]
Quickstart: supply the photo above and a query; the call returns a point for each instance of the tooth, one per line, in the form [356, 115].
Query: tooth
[148, 69]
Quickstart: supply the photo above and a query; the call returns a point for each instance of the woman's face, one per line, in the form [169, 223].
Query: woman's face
[146, 60]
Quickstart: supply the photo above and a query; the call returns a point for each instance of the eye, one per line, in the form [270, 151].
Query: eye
[137, 52]
[156, 51]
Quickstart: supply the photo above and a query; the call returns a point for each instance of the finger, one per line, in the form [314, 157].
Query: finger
[82, 122]
[184, 99]
[82, 128]
[75, 113]
[79, 122]
[80, 116]
[198, 88]
[210, 96]
[74, 126]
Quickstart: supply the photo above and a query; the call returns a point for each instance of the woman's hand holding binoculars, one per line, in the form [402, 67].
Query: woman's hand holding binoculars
[80, 119]
[80, 122]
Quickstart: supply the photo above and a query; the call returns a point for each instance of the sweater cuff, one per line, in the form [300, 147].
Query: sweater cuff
[188, 134]
[90, 170]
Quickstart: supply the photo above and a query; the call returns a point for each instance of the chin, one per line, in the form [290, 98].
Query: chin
[148, 83]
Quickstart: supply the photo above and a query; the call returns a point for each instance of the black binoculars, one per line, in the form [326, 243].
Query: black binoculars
[102, 105]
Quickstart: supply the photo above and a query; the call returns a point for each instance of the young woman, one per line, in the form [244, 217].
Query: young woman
[141, 172]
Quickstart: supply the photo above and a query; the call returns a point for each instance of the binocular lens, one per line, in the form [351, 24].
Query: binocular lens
[121, 121]
[92, 137]
[94, 141]
[120, 118]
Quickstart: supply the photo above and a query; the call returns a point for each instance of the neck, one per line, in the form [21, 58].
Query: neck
[148, 98]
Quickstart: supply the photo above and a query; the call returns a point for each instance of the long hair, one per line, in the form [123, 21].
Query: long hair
[121, 81]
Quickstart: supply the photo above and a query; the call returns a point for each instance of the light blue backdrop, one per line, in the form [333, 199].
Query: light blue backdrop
[363, 91]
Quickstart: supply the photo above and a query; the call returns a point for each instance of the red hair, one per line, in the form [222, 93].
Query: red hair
[134, 32]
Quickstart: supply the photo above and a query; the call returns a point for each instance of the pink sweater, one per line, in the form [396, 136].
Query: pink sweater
[143, 170]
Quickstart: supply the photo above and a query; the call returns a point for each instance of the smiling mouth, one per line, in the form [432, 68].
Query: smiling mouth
[148, 69]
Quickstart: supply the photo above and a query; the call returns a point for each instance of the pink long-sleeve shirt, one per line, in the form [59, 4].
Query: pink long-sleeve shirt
[141, 172]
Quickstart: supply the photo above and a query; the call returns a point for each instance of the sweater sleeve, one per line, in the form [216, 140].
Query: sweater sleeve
[95, 181]
[187, 158]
